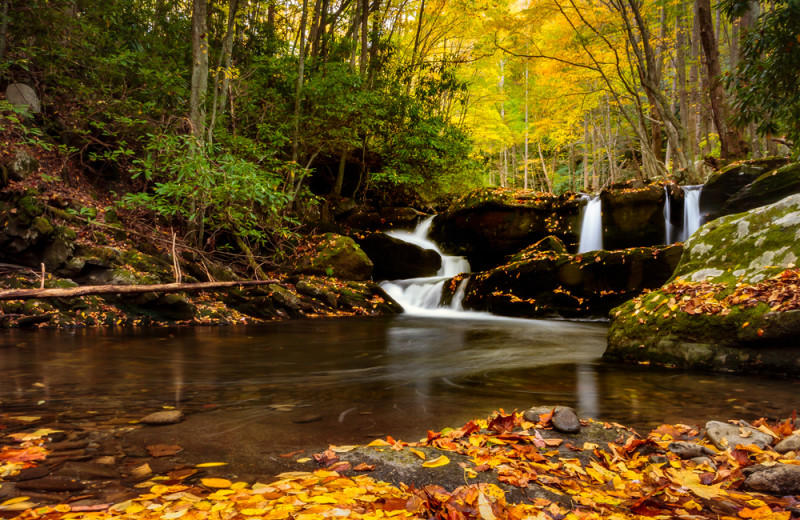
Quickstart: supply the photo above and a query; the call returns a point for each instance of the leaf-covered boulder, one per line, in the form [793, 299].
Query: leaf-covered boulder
[733, 304]
[394, 259]
[558, 284]
[338, 256]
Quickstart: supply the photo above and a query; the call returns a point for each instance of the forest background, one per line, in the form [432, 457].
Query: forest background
[229, 119]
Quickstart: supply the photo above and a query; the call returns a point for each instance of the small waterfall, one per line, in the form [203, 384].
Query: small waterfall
[691, 211]
[592, 226]
[422, 295]
[667, 217]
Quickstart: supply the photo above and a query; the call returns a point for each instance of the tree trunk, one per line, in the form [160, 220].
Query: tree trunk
[730, 141]
[73, 292]
[301, 64]
[526, 126]
[680, 77]
[225, 56]
[199, 86]
[362, 66]
[4, 29]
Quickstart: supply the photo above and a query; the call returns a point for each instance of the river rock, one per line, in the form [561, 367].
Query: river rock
[22, 95]
[163, 417]
[337, 256]
[790, 443]
[779, 480]
[689, 450]
[731, 252]
[585, 285]
[564, 418]
[728, 436]
[633, 216]
[395, 259]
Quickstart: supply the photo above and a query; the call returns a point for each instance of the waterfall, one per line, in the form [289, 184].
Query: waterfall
[592, 226]
[691, 211]
[421, 296]
[667, 217]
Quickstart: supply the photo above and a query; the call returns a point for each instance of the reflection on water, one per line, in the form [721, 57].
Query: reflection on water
[368, 376]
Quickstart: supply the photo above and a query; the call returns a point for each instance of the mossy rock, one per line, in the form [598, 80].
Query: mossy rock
[769, 187]
[547, 245]
[745, 248]
[337, 256]
[726, 183]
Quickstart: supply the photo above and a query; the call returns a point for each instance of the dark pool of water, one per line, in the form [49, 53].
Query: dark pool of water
[346, 380]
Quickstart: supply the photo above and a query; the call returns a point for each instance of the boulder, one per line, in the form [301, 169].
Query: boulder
[779, 480]
[487, 225]
[22, 95]
[633, 217]
[716, 313]
[337, 256]
[728, 436]
[17, 167]
[726, 183]
[400, 218]
[584, 285]
[769, 187]
[394, 259]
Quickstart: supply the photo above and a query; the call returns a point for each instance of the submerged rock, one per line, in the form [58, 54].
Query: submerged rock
[707, 317]
[164, 417]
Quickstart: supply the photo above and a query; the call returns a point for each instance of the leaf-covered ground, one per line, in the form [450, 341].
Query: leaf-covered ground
[632, 477]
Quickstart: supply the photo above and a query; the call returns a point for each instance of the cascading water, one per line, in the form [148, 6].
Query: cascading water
[691, 211]
[667, 217]
[592, 226]
[421, 296]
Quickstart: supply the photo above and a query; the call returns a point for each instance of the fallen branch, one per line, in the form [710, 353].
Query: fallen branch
[26, 294]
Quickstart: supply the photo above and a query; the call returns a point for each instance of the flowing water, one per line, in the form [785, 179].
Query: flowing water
[691, 211]
[592, 226]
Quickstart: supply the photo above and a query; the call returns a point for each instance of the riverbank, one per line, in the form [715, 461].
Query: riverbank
[515, 465]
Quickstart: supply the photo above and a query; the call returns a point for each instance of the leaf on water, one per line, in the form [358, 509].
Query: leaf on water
[211, 464]
[437, 462]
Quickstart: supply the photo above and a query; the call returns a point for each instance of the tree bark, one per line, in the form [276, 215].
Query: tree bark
[301, 63]
[362, 66]
[4, 29]
[225, 57]
[199, 86]
[730, 141]
[72, 292]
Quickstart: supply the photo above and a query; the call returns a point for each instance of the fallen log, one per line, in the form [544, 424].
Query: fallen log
[71, 292]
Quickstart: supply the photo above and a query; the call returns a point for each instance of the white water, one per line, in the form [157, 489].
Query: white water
[667, 218]
[592, 226]
[691, 211]
[421, 296]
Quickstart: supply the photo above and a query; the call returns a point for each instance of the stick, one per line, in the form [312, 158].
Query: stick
[41, 285]
[25, 294]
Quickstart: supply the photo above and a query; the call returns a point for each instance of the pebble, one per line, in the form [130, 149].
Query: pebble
[790, 443]
[689, 450]
[779, 480]
[717, 431]
[165, 417]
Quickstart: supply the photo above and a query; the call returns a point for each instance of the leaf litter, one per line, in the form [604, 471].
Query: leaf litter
[632, 477]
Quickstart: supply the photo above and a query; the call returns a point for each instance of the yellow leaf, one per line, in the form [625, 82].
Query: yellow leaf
[322, 499]
[219, 483]
[239, 485]
[378, 442]
[418, 453]
[133, 509]
[303, 460]
[211, 464]
[435, 463]
[174, 514]
[13, 501]
[253, 512]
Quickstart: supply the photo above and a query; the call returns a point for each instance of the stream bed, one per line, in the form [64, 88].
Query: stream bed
[252, 393]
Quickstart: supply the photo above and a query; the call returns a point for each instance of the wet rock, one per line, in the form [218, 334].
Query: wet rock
[689, 450]
[51, 484]
[779, 480]
[164, 417]
[286, 299]
[87, 471]
[633, 216]
[726, 435]
[565, 420]
[394, 259]
[790, 443]
[317, 291]
[400, 218]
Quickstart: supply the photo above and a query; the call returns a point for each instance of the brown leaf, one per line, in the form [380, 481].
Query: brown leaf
[364, 467]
